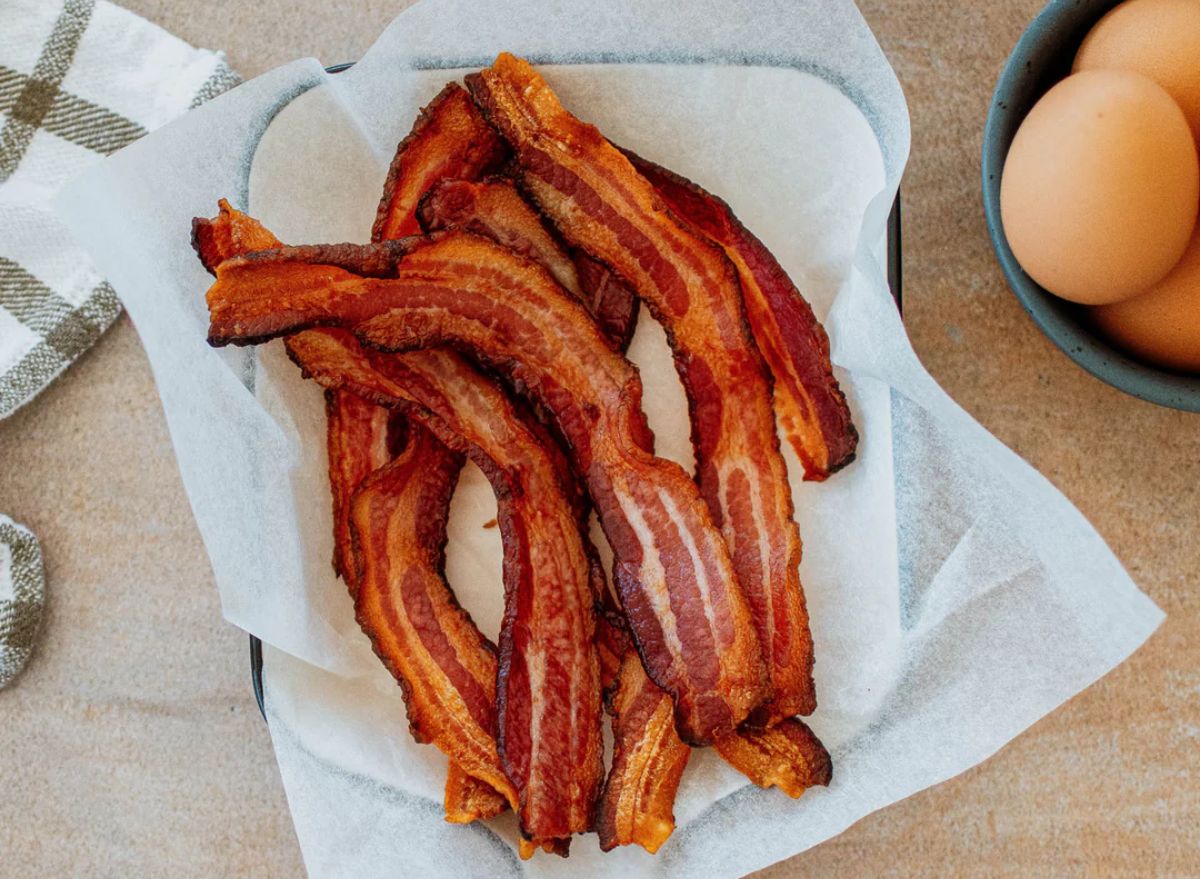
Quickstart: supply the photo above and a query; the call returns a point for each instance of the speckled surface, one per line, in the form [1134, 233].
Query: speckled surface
[131, 745]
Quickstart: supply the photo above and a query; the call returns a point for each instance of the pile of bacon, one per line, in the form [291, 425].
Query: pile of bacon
[486, 321]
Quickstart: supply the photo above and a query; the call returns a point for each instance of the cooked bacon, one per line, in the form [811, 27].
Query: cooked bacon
[446, 668]
[647, 764]
[673, 571]
[450, 139]
[469, 799]
[230, 233]
[609, 299]
[361, 437]
[494, 209]
[598, 202]
[788, 756]
[636, 806]
[548, 695]
[809, 404]
[552, 805]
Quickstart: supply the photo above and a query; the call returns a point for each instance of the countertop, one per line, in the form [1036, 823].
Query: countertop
[132, 746]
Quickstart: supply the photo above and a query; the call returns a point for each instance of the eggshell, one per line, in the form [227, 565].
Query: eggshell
[1162, 325]
[1099, 190]
[1156, 38]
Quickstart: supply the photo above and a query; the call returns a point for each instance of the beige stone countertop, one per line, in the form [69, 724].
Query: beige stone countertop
[132, 746]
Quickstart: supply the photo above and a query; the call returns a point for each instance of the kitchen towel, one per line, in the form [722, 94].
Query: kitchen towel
[78, 80]
[22, 591]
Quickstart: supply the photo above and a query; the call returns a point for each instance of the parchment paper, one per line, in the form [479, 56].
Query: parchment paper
[955, 595]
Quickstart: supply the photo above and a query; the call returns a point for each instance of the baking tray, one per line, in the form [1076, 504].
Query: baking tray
[895, 283]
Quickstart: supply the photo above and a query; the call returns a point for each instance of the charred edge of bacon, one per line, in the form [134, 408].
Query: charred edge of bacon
[467, 799]
[706, 212]
[484, 150]
[205, 245]
[788, 756]
[379, 259]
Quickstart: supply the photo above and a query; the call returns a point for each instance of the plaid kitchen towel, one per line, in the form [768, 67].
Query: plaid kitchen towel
[21, 596]
[78, 80]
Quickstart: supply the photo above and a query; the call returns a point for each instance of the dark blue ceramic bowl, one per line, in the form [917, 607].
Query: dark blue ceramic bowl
[1043, 57]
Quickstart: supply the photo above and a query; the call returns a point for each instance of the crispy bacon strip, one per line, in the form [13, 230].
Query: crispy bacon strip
[548, 691]
[809, 404]
[673, 571]
[446, 668]
[647, 764]
[599, 202]
[450, 139]
[494, 209]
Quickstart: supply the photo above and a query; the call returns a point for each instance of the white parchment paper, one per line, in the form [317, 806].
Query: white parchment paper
[955, 596]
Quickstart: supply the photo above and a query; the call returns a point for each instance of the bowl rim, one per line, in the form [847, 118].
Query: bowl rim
[1052, 315]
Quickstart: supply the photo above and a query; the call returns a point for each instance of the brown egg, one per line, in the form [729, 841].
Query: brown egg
[1099, 190]
[1162, 325]
[1156, 38]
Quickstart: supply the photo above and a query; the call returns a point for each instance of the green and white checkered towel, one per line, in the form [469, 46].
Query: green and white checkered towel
[22, 593]
[79, 79]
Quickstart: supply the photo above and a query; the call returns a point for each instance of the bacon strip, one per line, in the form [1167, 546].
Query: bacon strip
[636, 806]
[599, 202]
[446, 668]
[548, 691]
[494, 209]
[449, 139]
[677, 585]
[809, 404]
[647, 764]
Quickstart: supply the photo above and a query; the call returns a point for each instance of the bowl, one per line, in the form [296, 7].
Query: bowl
[1042, 57]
